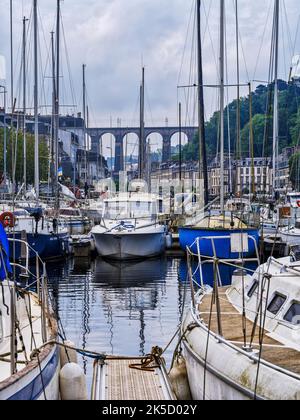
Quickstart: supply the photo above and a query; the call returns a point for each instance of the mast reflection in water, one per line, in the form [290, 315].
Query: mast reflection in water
[119, 308]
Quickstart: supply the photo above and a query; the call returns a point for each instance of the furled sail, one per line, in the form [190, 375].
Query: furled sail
[2, 68]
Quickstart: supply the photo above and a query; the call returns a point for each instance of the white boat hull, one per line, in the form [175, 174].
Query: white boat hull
[76, 227]
[291, 238]
[30, 384]
[228, 374]
[130, 246]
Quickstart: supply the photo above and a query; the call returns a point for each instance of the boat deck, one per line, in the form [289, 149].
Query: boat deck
[29, 343]
[232, 330]
[116, 380]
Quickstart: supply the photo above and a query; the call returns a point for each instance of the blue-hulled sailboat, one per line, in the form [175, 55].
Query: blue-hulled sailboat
[222, 225]
[45, 235]
[26, 322]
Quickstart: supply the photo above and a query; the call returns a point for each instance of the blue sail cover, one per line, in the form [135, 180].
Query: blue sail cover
[5, 266]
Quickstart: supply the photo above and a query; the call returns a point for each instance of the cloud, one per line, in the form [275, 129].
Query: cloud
[113, 37]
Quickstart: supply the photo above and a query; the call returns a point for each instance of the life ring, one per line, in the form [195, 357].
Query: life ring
[298, 203]
[7, 219]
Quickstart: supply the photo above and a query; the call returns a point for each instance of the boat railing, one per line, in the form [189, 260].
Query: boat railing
[38, 283]
[37, 279]
[132, 222]
[241, 242]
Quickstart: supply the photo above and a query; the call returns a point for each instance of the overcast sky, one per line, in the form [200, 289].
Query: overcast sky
[114, 37]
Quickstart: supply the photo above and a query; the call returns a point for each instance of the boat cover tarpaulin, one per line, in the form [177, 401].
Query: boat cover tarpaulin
[5, 266]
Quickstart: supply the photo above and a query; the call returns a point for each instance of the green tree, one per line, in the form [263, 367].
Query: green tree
[17, 141]
[262, 114]
[258, 124]
[295, 170]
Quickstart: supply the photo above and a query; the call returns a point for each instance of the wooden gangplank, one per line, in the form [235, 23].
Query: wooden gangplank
[116, 379]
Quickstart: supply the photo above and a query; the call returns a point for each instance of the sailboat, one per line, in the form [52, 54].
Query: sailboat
[26, 323]
[242, 342]
[225, 224]
[47, 236]
[130, 228]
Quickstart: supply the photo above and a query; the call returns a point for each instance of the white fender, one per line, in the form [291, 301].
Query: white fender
[72, 383]
[179, 380]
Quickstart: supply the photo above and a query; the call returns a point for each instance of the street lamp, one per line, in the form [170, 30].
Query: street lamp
[133, 145]
[5, 139]
[111, 157]
[111, 165]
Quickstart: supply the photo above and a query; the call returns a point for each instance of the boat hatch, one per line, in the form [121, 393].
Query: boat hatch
[293, 314]
[277, 303]
[253, 289]
[295, 253]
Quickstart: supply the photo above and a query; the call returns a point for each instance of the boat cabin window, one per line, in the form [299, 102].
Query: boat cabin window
[276, 304]
[293, 199]
[253, 289]
[293, 314]
[132, 209]
[69, 212]
[21, 213]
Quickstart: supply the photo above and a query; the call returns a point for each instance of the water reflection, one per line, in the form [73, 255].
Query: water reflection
[132, 288]
[123, 308]
[136, 285]
[225, 272]
[119, 308]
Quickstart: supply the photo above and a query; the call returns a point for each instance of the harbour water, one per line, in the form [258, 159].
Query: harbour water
[122, 308]
[119, 308]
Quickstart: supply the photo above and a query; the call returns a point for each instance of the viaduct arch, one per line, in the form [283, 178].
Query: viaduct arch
[120, 134]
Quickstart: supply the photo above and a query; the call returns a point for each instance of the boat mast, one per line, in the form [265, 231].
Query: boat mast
[24, 105]
[222, 59]
[5, 136]
[275, 117]
[11, 58]
[84, 122]
[53, 128]
[180, 142]
[142, 127]
[201, 119]
[57, 93]
[238, 108]
[36, 110]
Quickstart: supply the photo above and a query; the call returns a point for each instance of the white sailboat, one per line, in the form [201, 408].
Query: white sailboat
[243, 342]
[27, 323]
[27, 376]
